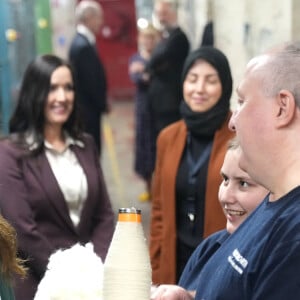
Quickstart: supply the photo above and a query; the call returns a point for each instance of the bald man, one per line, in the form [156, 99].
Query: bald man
[89, 70]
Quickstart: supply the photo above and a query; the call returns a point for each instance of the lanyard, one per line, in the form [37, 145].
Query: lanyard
[194, 167]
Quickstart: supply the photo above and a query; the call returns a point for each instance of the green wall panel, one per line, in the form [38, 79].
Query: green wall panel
[43, 30]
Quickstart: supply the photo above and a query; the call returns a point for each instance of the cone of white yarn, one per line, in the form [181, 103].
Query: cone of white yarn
[127, 269]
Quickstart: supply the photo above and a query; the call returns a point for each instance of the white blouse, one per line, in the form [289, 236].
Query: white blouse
[70, 177]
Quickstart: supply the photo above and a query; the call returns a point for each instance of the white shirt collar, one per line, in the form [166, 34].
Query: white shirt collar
[82, 29]
[68, 140]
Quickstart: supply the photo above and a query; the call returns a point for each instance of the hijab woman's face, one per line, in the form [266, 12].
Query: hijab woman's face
[202, 87]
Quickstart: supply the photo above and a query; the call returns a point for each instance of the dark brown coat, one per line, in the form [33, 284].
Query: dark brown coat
[170, 146]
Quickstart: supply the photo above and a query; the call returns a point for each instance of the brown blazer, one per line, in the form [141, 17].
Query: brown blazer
[170, 146]
[33, 203]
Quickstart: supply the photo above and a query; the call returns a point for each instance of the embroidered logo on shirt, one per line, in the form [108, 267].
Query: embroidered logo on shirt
[237, 261]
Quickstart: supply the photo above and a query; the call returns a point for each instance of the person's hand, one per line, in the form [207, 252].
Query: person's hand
[171, 292]
[136, 67]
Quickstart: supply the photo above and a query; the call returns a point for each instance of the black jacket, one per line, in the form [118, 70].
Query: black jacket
[90, 75]
[165, 67]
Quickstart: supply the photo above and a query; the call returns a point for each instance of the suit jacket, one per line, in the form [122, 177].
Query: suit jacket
[33, 203]
[165, 67]
[170, 146]
[91, 84]
[90, 75]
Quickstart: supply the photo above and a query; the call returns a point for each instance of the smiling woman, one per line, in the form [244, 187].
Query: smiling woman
[239, 195]
[59, 196]
[60, 98]
[41, 91]
[202, 86]
[190, 153]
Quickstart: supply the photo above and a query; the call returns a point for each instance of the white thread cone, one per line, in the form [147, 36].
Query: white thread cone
[127, 269]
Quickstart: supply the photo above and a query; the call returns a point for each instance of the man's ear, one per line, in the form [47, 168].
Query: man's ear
[286, 108]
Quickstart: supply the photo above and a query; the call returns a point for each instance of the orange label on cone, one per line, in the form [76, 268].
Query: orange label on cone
[128, 217]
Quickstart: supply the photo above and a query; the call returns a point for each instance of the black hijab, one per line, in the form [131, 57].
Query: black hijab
[206, 123]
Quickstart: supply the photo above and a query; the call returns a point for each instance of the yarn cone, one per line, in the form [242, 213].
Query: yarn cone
[127, 268]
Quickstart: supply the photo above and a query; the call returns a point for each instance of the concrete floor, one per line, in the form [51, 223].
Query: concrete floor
[124, 186]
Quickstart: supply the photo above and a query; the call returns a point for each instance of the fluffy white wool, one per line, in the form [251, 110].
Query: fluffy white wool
[72, 274]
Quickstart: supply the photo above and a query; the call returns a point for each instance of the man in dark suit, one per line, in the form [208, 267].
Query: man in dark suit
[90, 73]
[165, 67]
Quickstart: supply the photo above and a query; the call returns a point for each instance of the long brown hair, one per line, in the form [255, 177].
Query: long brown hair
[10, 263]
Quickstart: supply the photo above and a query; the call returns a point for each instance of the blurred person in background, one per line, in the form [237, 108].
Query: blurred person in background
[165, 66]
[144, 161]
[51, 183]
[89, 70]
[190, 153]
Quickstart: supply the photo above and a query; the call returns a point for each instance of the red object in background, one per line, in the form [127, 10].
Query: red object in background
[116, 43]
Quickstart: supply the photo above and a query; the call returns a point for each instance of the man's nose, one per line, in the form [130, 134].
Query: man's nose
[231, 124]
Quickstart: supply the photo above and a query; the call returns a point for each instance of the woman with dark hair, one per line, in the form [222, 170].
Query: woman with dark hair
[29, 115]
[190, 153]
[51, 183]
